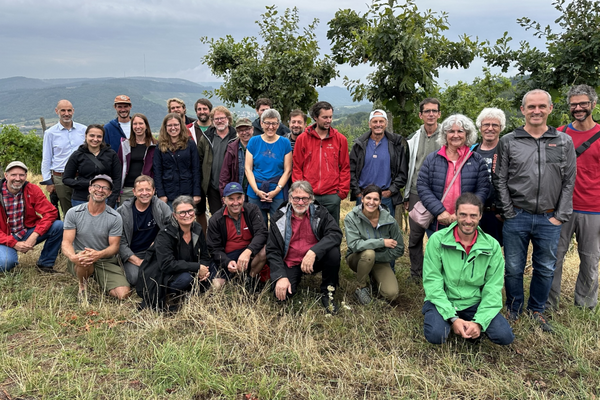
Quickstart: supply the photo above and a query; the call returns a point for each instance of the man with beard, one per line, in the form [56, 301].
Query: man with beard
[321, 158]
[262, 105]
[203, 108]
[379, 157]
[60, 141]
[91, 238]
[463, 274]
[585, 221]
[143, 217]
[304, 239]
[26, 219]
[177, 106]
[297, 126]
[212, 147]
[119, 127]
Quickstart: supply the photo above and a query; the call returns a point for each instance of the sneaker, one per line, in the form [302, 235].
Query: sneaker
[512, 316]
[539, 318]
[330, 305]
[363, 296]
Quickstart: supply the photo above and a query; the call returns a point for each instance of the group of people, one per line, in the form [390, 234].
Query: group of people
[274, 196]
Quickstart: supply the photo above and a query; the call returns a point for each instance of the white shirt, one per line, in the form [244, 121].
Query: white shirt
[126, 127]
[59, 144]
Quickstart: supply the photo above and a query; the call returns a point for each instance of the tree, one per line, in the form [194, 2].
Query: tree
[285, 68]
[17, 146]
[571, 55]
[405, 46]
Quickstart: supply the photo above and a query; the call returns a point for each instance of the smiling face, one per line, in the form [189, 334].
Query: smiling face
[15, 179]
[378, 125]
[536, 109]
[467, 218]
[300, 201]
[138, 126]
[324, 119]
[234, 204]
[173, 128]
[175, 107]
[220, 121]
[143, 192]
[123, 110]
[581, 107]
[245, 133]
[270, 126]
[297, 125]
[65, 111]
[203, 113]
[371, 202]
[93, 138]
[185, 214]
[99, 191]
[490, 130]
[430, 114]
[456, 136]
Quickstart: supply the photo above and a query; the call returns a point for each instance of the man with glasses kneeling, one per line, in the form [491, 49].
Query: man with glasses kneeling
[304, 239]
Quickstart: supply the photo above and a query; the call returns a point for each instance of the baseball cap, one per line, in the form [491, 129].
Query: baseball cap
[243, 122]
[122, 99]
[382, 115]
[102, 177]
[232, 188]
[16, 164]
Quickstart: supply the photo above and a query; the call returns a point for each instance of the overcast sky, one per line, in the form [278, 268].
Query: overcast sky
[109, 38]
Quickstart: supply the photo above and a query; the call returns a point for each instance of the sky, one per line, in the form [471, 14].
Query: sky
[161, 38]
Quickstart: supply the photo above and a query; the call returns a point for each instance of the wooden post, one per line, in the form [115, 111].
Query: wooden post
[43, 122]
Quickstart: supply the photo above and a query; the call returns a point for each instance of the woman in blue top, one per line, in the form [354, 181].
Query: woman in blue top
[268, 165]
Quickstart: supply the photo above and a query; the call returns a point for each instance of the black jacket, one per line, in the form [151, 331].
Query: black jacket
[178, 173]
[217, 233]
[324, 227]
[80, 170]
[162, 262]
[398, 149]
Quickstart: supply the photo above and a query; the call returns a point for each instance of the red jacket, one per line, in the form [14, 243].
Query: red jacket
[36, 204]
[325, 163]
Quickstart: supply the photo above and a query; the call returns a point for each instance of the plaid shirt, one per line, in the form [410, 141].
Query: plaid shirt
[14, 207]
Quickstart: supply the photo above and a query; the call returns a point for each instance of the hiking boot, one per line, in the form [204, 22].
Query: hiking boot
[512, 317]
[46, 270]
[542, 322]
[363, 296]
[330, 305]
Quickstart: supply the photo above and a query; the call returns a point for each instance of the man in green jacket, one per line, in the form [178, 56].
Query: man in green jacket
[463, 274]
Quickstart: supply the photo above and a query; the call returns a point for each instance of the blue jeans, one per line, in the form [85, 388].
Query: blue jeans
[9, 257]
[437, 329]
[180, 283]
[275, 204]
[387, 201]
[544, 236]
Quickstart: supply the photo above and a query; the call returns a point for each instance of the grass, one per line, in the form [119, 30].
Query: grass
[229, 345]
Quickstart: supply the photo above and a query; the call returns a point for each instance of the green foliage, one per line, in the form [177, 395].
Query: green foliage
[17, 146]
[571, 55]
[286, 68]
[405, 46]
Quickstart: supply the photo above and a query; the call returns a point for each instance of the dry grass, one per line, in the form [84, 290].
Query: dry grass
[229, 344]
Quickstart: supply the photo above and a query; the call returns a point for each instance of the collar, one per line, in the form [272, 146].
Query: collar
[457, 238]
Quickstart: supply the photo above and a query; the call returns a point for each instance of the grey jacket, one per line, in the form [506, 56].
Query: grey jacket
[413, 148]
[535, 174]
[160, 211]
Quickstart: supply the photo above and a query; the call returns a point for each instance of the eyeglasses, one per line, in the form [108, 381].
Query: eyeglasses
[430, 111]
[220, 119]
[173, 126]
[244, 130]
[183, 213]
[486, 126]
[583, 104]
[300, 199]
[100, 187]
[270, 124]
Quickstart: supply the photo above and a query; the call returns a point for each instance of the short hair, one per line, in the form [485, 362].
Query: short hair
[148, 134]
[270, 113]
[95, 126]
[429, 100]
[372, 188]
[164, 140]
[183, 199]
[305, 186]
[224, 110]
[462, 120]
[263, 101]
[205, 102]
[579, 90]
[470, 198]
[176, 100]
[298, 112]
[536, 91]
[491, 113]
[144, 178]
[315, 110]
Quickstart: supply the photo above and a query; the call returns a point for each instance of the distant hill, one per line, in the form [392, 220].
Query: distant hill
[25, 100]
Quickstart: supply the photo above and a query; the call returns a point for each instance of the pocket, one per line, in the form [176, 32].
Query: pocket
[553, 153]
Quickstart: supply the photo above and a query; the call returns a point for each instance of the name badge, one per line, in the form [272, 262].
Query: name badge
[374, 155]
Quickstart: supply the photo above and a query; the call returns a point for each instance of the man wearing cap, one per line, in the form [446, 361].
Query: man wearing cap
[119, 127]
[212, 147]
[60, 141]
[203, 108]
[143, 217]
[236, 238]
[91, 238]
[235, 157]
[26, 219]
[379, 157]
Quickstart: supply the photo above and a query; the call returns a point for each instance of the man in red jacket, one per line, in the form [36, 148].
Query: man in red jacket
[26, 219]
[321, 157]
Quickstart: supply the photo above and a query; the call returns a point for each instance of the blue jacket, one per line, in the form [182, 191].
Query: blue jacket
[474, 178]
[113, 135]
[178, 173]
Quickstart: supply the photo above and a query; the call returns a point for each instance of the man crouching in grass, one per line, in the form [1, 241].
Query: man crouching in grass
[463, 274]
[91, 242]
